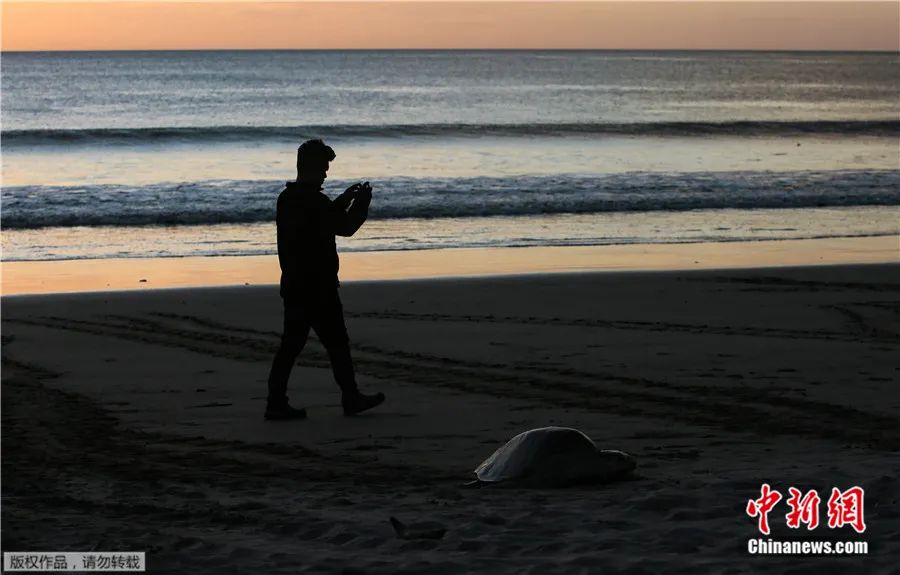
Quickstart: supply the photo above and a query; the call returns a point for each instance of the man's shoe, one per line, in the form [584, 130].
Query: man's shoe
[283, 410]
[360, 402]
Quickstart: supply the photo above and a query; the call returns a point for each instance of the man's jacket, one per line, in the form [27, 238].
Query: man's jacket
[307, 223]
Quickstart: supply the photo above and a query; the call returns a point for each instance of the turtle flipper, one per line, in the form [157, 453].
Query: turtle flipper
[399, 527]
[433, 531]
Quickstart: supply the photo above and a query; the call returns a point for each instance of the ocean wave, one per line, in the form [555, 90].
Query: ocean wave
[220, 249]
[111, 136]
[247, 201]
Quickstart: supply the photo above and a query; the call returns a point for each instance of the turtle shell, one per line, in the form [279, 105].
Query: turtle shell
[553, 456]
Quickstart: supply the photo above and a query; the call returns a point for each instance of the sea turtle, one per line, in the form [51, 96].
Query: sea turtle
[552, 457]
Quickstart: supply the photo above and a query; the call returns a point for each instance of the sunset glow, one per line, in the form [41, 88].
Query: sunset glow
[433, 25]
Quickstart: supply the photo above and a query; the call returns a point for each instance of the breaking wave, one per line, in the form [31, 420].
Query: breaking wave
[247, 201]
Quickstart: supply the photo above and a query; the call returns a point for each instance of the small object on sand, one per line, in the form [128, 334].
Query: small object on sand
[142, 280]
[213, 404]
[430, 532]
[553, 457]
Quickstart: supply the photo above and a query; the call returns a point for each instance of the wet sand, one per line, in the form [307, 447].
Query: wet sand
[71, 276]
[133, 421]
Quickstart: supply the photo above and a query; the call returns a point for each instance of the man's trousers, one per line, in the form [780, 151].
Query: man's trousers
[323, 313]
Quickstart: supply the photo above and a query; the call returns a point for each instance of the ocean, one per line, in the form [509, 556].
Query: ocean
[166, 154]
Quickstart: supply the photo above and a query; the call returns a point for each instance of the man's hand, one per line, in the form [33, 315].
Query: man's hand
[343, 200]
[364, 193]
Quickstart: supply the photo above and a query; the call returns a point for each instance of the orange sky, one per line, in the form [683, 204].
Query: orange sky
[634, 25]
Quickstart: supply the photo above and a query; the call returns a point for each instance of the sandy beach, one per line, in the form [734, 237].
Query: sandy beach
[665, 232]
[132, 420]
[90, 275]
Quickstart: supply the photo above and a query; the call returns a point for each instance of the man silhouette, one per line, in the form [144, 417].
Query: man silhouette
[307, 223]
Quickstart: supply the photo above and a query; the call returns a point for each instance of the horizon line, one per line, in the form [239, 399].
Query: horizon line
[756, 50]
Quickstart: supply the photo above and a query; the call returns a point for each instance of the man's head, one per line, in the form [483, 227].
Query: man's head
[313, 157]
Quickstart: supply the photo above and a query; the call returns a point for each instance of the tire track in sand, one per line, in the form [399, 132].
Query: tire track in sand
[737, 409]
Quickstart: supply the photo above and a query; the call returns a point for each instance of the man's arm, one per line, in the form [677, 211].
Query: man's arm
[346, 223]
